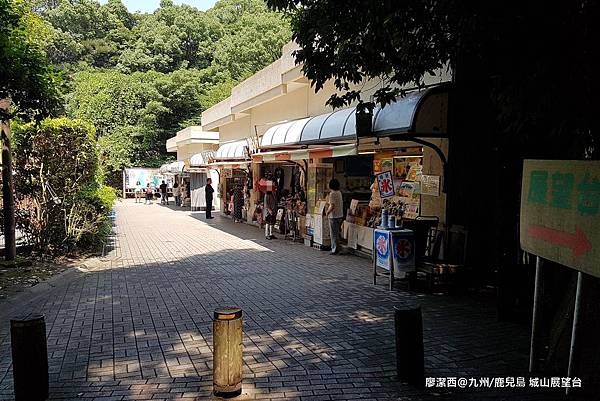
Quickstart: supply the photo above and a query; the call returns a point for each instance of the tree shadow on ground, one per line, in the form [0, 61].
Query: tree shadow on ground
[313, 326]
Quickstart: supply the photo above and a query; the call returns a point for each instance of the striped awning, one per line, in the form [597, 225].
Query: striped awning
[172, 168]
[304, 154]
[202, 159]
[419, 111]
[236, 150]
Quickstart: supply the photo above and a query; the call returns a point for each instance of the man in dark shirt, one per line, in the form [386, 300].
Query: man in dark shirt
[164, 200]
[208, 192]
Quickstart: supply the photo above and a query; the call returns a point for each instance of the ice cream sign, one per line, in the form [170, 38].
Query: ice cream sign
[560, 212]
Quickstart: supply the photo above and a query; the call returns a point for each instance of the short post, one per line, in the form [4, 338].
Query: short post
[409, 344]
[29, 357]
[227, 352]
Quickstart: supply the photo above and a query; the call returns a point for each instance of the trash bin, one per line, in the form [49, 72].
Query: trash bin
[29, 357]
[227, 351]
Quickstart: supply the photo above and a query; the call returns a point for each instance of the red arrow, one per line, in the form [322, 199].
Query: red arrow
[578, 242]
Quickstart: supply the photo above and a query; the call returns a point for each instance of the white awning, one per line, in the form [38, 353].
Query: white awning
[282, 134]
[237, 150]
[172, 168]
[202, 159]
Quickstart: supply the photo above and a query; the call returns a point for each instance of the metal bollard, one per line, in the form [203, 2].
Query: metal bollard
[29, 357]
[227, 352]
[409, 344]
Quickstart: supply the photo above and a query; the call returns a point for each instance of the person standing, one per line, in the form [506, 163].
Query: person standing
[270, 210]
[177, 194]
[138, 192]
[208, 193]
[335, 212]
[164, 200]
[149, 194]
[238, 203]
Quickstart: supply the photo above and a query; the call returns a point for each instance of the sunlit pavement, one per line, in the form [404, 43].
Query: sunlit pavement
[137, 324]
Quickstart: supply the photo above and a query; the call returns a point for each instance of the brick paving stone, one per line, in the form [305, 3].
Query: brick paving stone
[137, 324]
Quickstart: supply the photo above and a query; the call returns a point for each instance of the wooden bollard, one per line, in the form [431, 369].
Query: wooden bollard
[29, 357]
[409, 344]
[227, 352]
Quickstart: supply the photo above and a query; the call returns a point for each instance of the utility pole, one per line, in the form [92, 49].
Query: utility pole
[8, 200]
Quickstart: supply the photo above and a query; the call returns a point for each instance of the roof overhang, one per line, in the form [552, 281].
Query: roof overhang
[420, 113]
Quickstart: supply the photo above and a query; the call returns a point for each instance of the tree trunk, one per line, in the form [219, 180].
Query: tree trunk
[8, 200]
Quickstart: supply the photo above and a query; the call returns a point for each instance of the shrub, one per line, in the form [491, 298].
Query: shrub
[64, 208]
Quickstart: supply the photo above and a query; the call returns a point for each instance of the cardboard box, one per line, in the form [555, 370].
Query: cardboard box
[321, 230]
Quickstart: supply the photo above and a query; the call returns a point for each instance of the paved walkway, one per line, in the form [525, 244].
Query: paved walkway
[137, 325]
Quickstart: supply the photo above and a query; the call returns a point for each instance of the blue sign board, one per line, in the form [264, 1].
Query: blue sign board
[403, 247]
[381, 244]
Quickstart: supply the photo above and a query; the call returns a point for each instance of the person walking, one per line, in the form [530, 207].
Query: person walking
[177, 194]
[149, 194]
[238, 203]
[269, 206]
[164, 200]
[335, 212]
[138, 192]
[208, 194]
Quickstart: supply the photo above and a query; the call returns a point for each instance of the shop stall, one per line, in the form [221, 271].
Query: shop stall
[406, 149]
[172, 173]
[232, 160]
[199, 171]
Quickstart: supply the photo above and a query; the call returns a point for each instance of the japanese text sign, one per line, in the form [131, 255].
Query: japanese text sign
[560, 212]
[386, 184]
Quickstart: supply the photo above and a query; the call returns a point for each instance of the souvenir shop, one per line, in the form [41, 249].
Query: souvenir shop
[199, 171]
[232, 160]
[234, 185]
[393, 154]
[280, 187]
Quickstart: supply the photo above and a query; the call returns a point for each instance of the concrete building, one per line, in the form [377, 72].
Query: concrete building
[275, 121]
[194, 148]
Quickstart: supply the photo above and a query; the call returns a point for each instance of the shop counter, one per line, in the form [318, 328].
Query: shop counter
[363, 236]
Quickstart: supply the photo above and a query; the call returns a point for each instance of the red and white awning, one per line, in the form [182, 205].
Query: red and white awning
[304, 154]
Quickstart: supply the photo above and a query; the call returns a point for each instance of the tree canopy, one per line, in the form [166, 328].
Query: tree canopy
[140, 78]
[26, 76]
[532, 57]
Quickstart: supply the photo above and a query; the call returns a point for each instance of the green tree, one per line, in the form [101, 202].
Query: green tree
[253, 36]
[134, 114]
[118, 10]
[87, 32]
[85, 19]
[230, 12]
[171, 38]
[29, 83]
[27, 78]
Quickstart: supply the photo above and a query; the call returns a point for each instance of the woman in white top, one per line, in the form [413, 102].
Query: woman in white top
[177, 193]
[335, 212]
